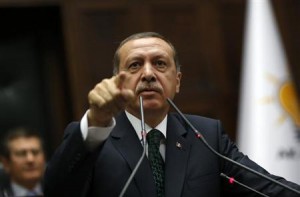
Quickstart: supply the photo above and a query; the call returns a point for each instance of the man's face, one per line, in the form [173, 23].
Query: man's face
[27, 161]
[152, 73]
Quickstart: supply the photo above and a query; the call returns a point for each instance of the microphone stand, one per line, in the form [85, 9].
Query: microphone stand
[143, 132]
[232, 180]
[199, 136]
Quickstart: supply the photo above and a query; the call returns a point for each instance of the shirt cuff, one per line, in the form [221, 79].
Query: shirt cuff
[94, 136]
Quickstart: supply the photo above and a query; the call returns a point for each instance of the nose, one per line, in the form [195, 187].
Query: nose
[30, 156]
[148, 73]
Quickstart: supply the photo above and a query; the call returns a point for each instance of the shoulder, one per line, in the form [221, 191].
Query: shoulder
[72, 129]
[196, 120]
[5, 188]
[210, 128]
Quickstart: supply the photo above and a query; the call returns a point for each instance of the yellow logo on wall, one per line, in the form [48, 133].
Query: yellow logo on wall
[290, 102]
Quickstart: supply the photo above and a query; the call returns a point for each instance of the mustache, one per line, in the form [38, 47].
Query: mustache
[145, 86]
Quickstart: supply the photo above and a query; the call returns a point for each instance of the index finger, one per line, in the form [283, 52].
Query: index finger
[120, 79]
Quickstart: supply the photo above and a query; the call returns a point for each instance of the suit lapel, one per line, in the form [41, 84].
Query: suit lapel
[127, 143]
[177, 152]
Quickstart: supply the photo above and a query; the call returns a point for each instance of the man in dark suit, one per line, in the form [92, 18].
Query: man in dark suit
[98, 154]
[23, 159]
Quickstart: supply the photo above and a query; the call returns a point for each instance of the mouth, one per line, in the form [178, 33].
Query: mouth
[30, 169]
[148, 90]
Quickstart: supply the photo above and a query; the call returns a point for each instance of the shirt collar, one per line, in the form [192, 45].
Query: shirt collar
[136, 123]
[19, 190]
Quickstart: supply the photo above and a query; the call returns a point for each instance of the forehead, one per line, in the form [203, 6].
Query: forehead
[145, 45]
[24, 142]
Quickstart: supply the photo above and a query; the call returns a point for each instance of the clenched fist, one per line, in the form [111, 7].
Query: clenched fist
[107, 99]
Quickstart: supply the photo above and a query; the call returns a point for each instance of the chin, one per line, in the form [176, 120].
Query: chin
[150, 104]
[33, 176]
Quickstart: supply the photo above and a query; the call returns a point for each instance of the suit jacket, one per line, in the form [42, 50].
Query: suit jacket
[5, 187]
[192, 170]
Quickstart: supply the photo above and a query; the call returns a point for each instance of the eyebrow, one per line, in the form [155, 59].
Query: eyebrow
[140, 56]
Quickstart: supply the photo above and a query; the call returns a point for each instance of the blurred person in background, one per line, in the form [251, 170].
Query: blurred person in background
[23, 160]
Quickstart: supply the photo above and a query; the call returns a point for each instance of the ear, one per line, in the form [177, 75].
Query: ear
[178, 79]
[6, 163]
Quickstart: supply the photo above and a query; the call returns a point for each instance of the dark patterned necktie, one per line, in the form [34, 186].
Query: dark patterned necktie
[156, 162]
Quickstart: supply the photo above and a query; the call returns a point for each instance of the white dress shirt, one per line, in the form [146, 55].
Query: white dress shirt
[20, 191]
[94, 136]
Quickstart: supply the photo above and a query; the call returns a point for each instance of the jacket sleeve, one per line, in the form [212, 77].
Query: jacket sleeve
[69, 171]
[229, 149]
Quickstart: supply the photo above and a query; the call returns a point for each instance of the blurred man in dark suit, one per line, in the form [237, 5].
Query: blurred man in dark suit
[23, 160]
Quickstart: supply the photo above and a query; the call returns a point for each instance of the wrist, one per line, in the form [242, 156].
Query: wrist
[98, 121]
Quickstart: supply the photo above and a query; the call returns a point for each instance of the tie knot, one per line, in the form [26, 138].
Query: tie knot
[154, 137]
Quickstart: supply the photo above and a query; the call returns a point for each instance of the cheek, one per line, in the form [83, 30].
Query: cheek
[17, 167]
[171, 84]
[16, 162]
[41, 162]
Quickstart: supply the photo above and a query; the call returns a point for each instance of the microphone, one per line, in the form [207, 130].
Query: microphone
[199, 136]
[232, 181]
[143, 132]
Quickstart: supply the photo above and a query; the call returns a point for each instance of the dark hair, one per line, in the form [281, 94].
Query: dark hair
[116, 60]
[15, 133]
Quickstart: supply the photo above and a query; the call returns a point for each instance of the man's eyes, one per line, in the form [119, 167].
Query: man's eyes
[23, 153]
[158, 64]
[133, 66]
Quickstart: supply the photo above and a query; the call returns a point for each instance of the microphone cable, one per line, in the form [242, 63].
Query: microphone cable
[232, 181]
[143, 132]
[199, 136]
